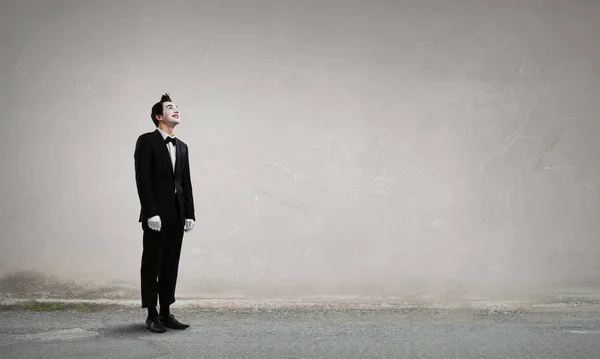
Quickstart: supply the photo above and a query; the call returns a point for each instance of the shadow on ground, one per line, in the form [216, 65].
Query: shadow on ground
[124, 330]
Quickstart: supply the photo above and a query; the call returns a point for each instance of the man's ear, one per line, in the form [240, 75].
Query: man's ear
[158, 117]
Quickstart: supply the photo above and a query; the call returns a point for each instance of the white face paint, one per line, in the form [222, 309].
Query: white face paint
[170, 114]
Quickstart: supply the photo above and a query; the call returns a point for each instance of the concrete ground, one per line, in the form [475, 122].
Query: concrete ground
[118, 332]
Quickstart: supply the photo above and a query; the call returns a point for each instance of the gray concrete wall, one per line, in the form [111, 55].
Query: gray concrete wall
[339, 148]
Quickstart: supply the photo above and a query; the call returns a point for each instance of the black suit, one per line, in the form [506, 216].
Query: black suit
[168, 194]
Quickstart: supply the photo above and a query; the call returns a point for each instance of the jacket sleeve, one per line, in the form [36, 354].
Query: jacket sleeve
[143, 166]
[188, 193]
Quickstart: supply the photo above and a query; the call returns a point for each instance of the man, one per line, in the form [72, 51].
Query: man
[164, 185]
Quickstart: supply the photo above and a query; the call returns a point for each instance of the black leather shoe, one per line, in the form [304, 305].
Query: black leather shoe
[171, 322]
[154, 325]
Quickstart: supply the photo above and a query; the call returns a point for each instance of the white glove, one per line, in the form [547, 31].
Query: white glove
[189, 225]
[154, 223]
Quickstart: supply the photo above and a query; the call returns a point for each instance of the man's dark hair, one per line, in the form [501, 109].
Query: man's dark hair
[157, 109]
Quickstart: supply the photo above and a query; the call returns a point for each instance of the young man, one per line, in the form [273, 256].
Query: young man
[164, 185]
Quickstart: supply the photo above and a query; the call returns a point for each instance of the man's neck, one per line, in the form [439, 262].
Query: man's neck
[167, 129]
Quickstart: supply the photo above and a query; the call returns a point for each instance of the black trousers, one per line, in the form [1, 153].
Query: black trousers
[160, 261]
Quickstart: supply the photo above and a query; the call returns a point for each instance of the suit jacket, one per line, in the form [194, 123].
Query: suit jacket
[156, 181]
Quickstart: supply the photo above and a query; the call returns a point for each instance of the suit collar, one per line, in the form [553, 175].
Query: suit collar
[163, 133]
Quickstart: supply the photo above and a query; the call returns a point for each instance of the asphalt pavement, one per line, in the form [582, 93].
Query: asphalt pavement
[119, 332]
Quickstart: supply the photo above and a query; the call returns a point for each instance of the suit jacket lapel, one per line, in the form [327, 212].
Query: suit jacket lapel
[178, 156]
[165, 151]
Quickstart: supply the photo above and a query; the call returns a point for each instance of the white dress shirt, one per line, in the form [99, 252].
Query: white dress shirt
[189, 224]
[170, 147]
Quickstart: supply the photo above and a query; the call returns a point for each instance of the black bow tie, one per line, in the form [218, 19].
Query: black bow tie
[170, 139]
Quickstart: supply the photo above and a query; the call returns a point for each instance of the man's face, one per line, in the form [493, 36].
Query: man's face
[170, 114]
